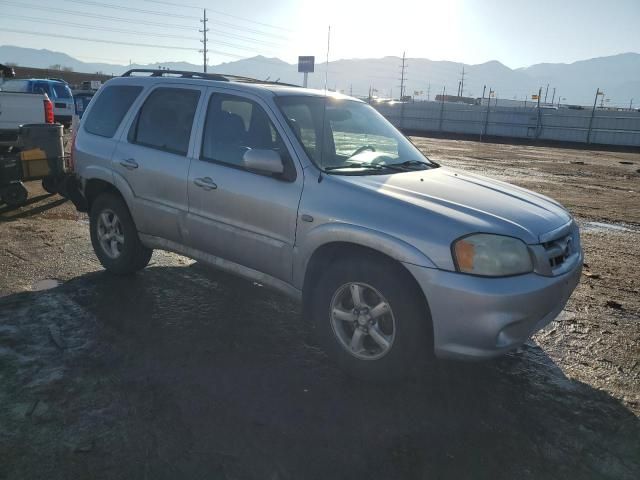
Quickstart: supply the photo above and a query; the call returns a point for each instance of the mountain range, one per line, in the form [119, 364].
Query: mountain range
[617, 75]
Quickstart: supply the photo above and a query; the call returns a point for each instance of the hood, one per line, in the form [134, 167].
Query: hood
[486, 205]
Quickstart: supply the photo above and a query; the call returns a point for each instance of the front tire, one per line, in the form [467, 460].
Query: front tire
[371, 318]
[115, 238]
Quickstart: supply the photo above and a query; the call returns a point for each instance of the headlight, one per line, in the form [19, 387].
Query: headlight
[491, 255]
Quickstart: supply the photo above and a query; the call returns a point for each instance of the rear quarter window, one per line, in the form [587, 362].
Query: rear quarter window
[110, 108]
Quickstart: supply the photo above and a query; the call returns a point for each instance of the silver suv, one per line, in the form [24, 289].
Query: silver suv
[394, 257]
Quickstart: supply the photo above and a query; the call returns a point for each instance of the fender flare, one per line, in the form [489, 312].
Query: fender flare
[329, 233]
[114, 179]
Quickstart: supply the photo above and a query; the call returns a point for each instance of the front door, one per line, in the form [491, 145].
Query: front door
[235, 214]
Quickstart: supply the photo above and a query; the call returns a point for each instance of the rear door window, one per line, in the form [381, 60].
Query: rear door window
[165, 120]
[110, 108]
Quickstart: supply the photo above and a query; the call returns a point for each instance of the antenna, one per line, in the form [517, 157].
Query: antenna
[324, 107]
[326, 65]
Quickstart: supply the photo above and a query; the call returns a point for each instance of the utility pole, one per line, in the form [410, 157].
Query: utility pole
[539, 114]
[602, 102]
[553, 97]
[351, 90]
[204, 39]
[486, 117]
[631, 104]
[593, 113]
[461, 83]
[546, 93]
[484, 88]
[402, 79]
[444, 90]
[429, 92]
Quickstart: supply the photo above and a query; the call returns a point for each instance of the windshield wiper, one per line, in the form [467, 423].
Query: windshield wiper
[414, 163]
[364, 165]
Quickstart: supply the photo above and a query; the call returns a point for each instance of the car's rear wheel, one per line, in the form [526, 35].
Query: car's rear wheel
[114, 236]
[371, 318]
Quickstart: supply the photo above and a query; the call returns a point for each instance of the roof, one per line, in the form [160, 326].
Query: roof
[247, 83]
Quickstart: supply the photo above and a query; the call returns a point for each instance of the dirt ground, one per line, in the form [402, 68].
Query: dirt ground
[184, 372]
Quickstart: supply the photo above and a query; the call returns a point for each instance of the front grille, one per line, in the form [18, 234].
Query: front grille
[558, 253]
[559, 250]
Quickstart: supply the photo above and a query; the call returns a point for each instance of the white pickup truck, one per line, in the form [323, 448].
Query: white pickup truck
[19, 109]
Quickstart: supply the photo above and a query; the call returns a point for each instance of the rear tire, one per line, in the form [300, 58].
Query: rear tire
[395, 344]
[115, 238]
[50, 184]
[15, 195]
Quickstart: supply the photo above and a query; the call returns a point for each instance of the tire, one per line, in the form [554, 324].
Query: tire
[15, 195]
[50, 184]
[406, 325]
[111, 221]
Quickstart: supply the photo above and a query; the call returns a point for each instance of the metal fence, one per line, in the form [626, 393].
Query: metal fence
[582, 126]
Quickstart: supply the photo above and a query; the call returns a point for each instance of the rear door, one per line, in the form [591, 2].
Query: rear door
[152, 157]
[239, 215]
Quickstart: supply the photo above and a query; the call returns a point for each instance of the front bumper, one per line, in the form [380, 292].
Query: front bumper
[477, 317]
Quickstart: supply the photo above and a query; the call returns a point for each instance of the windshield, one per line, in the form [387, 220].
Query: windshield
[354, 135]
[61, 90]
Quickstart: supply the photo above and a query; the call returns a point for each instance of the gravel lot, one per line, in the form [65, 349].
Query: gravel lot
[184, 372]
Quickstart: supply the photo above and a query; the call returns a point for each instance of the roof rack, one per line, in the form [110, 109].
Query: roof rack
[182, 73]
[205, 76]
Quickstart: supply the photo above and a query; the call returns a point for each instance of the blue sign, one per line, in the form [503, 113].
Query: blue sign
[306, 64]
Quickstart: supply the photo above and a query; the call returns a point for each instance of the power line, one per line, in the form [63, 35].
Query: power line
[218, 12]
[115, 42]
[143, 22]
[130, 32]
[92, 27]
[132, 9]
[167, 14]
[98, 16]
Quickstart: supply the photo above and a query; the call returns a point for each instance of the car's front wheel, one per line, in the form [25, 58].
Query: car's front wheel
[372, 318]
[114, 236]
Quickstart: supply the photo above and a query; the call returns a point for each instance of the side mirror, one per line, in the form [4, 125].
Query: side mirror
[263, 161]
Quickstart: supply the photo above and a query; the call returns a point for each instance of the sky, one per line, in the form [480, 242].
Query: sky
[517, 33]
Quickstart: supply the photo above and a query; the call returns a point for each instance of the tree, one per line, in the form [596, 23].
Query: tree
[67, 69]
[55, 66]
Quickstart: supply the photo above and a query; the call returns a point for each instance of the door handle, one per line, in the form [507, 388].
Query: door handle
[206, 183]
[129, 163]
